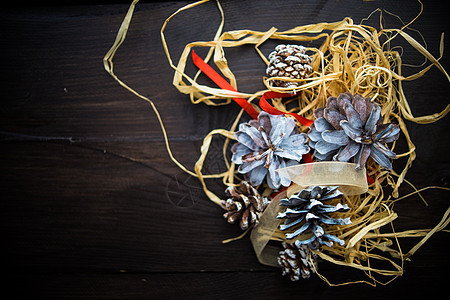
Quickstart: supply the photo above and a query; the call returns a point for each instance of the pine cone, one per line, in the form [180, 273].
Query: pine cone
[350, 128]
[266, 144]
[289, 61]
[297, 261]
[307, 208]
[244, 205]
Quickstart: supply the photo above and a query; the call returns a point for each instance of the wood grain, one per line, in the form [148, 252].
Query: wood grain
[92, 205]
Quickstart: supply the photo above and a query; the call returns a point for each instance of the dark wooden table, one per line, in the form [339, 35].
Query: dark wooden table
[92, 206]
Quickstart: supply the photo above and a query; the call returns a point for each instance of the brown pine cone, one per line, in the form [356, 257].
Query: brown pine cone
[244, 204]
[289, 61]
[297, 261]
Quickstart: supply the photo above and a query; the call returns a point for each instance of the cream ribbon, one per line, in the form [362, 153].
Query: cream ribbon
[351, 181]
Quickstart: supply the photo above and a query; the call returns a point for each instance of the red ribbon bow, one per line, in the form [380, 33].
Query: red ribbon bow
[222, 83]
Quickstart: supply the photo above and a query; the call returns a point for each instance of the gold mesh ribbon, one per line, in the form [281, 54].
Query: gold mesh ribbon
[350, 180]
[262, 234]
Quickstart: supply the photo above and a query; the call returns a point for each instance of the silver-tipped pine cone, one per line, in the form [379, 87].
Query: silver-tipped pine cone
[244, 205]
[297, 261]
[350, 128]
[289, 61]
[306, 212]
[265, 145]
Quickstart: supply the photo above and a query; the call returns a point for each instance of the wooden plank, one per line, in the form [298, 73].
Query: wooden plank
[58, 87]
[74, 207]
[92, 206]
[223, 285]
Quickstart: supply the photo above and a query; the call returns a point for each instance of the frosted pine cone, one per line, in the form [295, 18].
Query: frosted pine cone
[244, 204]
[297, 261]
[349, 128]
[266, 144]
[306, 210]
[289, 61]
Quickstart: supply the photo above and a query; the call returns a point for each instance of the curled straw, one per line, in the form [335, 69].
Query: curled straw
[354, 58]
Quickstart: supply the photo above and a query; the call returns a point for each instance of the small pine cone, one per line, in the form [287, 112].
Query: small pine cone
[289, 61]
[244, 204]
[297, 261]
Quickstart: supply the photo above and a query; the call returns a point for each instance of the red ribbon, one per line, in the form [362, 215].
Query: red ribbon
[272, 110]
[222, 83]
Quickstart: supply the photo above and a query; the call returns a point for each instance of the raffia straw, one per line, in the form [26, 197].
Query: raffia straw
[351, 58]
[109, 67]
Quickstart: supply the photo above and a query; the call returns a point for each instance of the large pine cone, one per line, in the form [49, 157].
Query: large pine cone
[306, 211]
[244, 204]
[289, 61]
[350, 128]
[265, 145]
[297, 261]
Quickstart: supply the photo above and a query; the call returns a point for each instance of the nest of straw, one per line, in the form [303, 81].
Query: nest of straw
[352, 58]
